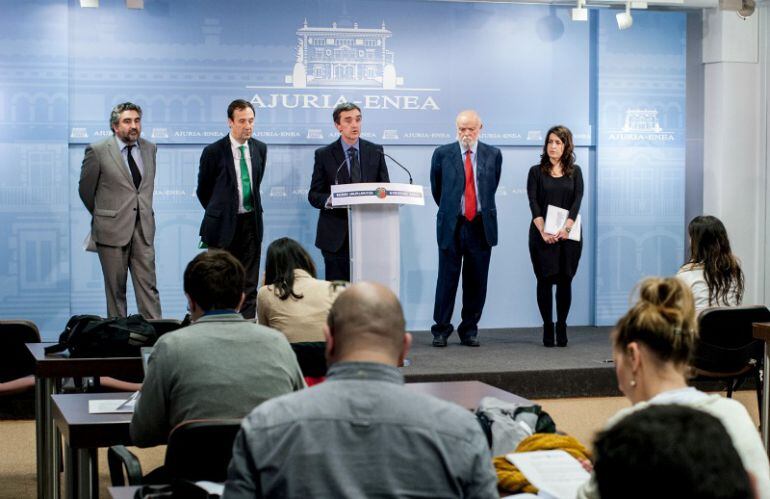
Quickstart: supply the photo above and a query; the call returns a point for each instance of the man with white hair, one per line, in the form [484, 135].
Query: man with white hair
[463, 179]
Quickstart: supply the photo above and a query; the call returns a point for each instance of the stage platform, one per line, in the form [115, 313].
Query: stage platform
[516, 360]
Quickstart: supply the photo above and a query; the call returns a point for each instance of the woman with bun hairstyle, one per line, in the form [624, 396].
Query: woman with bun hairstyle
[713, 273]
[652, 345]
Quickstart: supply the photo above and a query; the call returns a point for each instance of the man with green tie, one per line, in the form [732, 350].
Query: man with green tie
[231, 170]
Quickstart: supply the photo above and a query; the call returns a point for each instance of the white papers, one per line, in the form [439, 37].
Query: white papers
[554, 472]
[89, 244]
[556, 218]
[213, 488]
[112, 406]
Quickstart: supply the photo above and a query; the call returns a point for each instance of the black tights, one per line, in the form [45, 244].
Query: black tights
[563, 297]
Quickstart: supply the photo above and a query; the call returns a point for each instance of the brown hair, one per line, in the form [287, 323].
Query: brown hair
[710, 247]
[567, 157]
[663, 319]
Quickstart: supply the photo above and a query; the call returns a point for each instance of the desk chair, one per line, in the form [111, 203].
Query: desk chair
[17, 366]
[726, 349]
[311, 357]
[199, 449]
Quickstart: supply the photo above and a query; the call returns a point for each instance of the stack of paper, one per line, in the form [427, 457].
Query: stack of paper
[555, 473]
[556, 218]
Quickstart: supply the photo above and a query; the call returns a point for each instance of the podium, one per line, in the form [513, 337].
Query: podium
[374, 228]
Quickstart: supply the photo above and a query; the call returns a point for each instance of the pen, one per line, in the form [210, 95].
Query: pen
[130, 399]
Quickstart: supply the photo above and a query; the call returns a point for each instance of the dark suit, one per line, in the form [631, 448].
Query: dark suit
[222, 226]
[463, 246]
[332, 232]
[122, 224]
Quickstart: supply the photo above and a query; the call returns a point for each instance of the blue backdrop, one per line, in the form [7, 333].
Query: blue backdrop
[410, 65]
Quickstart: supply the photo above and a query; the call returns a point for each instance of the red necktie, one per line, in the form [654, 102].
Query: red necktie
[470, 188]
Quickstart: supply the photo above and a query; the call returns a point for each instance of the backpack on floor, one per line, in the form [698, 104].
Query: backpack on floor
[92, 336]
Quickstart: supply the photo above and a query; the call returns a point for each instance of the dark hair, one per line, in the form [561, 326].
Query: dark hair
[284, 256]
[341, 108]
[567, 157]
[214, 280]
[125, 106]
[239, 104]
[663, 319]
[669, 451]
[710, 247]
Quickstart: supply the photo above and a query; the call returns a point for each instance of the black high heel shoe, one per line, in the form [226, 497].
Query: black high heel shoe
[548, 334]
[561, 334]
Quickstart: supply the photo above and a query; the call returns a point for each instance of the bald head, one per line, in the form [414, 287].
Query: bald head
[468, 127]
[366, 323]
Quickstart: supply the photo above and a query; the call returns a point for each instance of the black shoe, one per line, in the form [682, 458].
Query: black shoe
[439, 341]
[470, 341]
[548, 334]
[561, 334]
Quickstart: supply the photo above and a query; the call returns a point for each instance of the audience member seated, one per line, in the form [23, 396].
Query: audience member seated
[221, 366]
[652, 344]
[669, 451]
[713, 272]
[292, 300]
[361, 433]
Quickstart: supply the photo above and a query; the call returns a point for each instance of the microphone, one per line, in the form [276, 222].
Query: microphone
[396, 162]
[337, 173]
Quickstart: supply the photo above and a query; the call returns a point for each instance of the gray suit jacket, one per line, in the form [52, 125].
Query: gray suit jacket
[107, 190]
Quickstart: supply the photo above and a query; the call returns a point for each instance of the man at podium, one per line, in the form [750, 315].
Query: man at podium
[463, 179]
[348, 160]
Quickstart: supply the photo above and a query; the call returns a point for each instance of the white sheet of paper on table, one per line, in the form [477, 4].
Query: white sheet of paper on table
[554, 472]
[110, 406]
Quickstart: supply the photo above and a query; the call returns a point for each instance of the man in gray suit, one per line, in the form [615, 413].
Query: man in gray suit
[116, 184]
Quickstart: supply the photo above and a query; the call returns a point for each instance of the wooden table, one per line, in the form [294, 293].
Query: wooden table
[762, 332]
[83, 434]
[49, 371]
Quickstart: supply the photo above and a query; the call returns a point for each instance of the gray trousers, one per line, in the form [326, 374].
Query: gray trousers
[138, 257]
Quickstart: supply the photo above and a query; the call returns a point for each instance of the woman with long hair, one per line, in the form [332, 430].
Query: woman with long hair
[713, 273]
[652, 345]
[556, 181]
[292, 300]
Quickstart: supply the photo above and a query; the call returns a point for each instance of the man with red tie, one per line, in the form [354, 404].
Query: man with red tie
[463, 179]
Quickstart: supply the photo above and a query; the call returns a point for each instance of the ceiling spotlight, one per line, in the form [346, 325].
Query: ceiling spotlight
[89, 4]
[747, 8]
[624, 18]
[580, 13]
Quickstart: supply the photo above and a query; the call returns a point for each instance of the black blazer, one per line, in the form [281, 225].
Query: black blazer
[333, 224]
[218, 190]
[447, 183]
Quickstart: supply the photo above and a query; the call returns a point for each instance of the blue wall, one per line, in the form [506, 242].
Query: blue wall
[523, 67]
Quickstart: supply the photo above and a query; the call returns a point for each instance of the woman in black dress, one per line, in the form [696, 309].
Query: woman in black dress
[557, 181]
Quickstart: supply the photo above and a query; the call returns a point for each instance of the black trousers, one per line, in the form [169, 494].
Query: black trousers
[469, 256]
[338, 263]
[247, 248]
[545, 286]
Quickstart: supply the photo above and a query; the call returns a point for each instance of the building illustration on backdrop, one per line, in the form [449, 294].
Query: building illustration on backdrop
[641, 120]
[344, 57]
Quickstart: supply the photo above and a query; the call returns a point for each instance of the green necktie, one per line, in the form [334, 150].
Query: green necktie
[248, 202]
